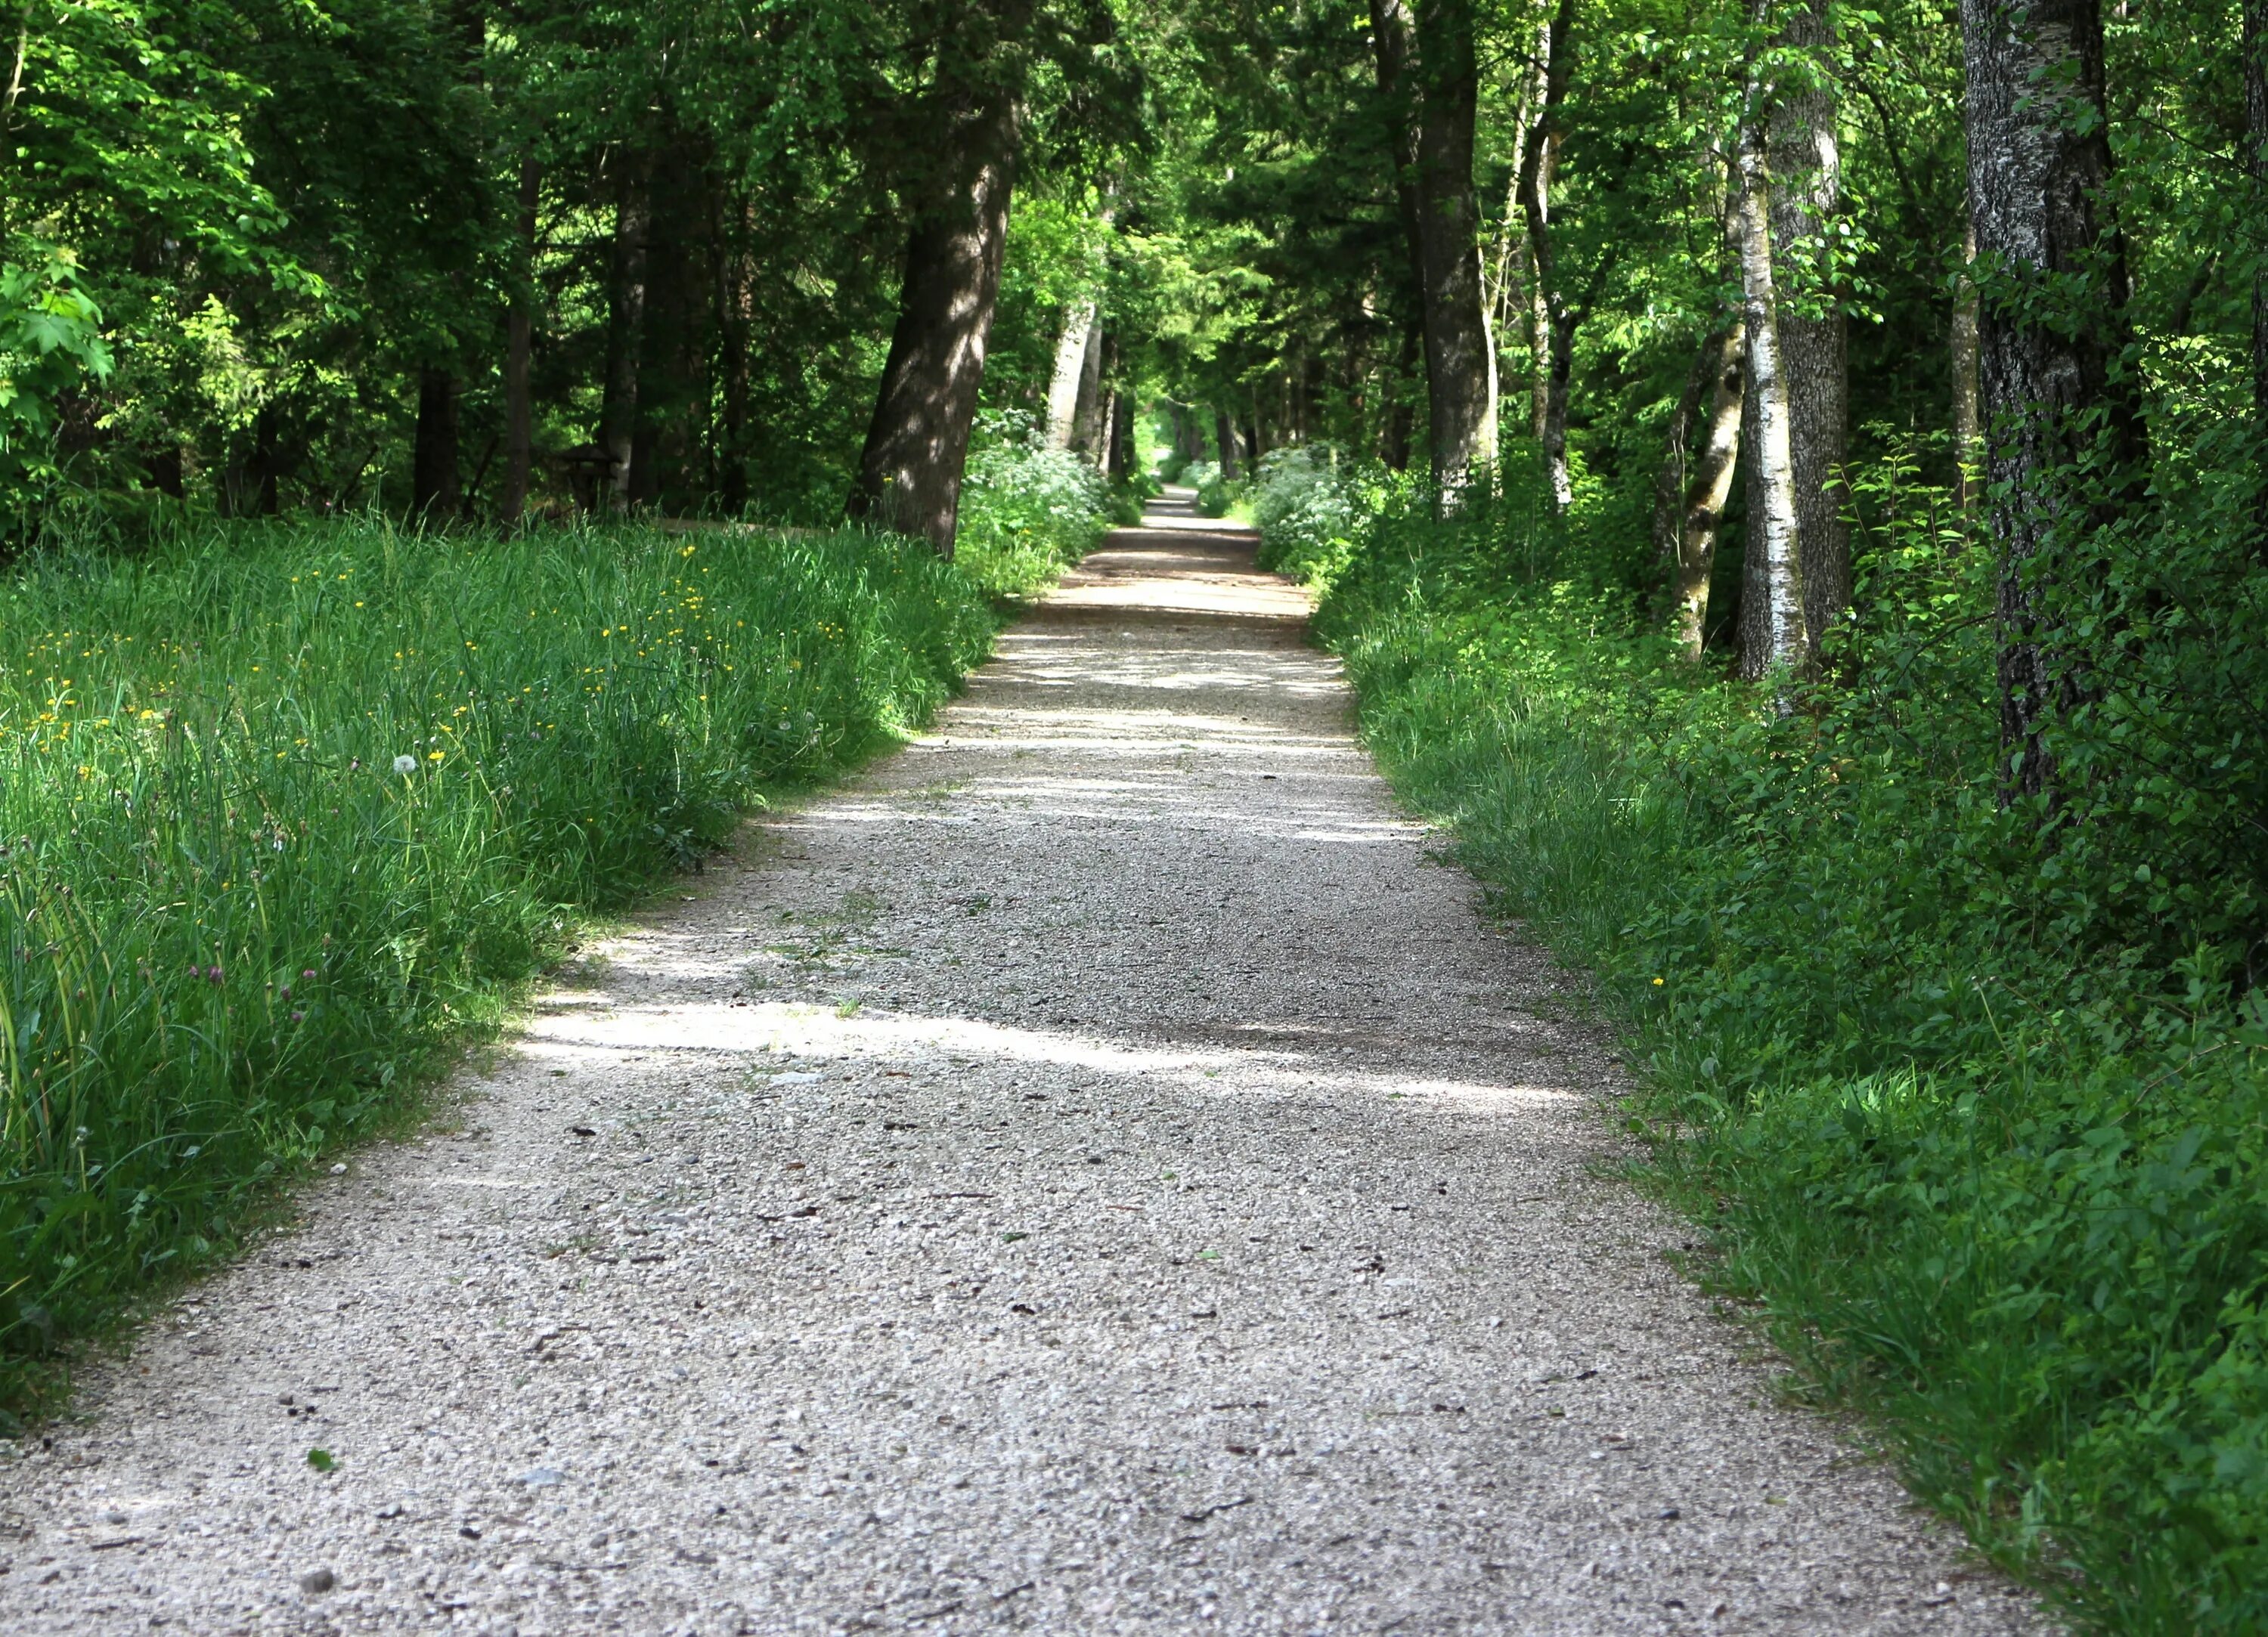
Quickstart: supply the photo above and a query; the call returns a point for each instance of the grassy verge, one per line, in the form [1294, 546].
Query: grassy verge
[284, 812]
[1989, 1173]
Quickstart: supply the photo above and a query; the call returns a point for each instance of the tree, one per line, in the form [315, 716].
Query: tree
[1391, 48]
[2064, 444]
[1805, 182]
[1460, 354]
[2255, 145]
[1773, 632]
[1554, 321]
[1688, 506]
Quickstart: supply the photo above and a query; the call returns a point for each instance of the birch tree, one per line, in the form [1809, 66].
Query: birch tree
[1773, 633]
[1551, 322]
[1806, 193]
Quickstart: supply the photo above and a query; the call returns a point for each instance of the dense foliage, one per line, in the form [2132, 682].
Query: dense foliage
[1988, 1172]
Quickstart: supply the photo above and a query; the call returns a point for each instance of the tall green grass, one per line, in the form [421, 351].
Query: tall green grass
[1992, 1167]
[282, 809]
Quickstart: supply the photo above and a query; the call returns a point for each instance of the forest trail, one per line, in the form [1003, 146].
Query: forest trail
[1095, 1174]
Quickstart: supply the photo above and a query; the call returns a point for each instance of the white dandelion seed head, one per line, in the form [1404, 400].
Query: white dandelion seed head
[405, 764]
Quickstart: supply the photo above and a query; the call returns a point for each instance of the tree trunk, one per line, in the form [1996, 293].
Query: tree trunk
[1669, 479]
[1389, 34]
[163, 464]
[1395, 430]
[1122, 436]
[518, 349]
[909, 472]
[2255, 142]
[1552, 327]
[251, 484]
[1772, 629]
[1966, 430]
[735, 319]
[1070, 378]
[618, 405]
[1225, 439]
[2052, 327]
[1087, 416]
[434, 495]
[672, 390]
[1710, 486]
[1698, 501]
[1807, 185]
[1459, 357]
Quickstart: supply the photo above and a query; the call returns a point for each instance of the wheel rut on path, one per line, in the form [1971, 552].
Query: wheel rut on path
[1096, 1173]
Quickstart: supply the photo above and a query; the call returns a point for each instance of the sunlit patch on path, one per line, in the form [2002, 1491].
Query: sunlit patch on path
[1094, 1174]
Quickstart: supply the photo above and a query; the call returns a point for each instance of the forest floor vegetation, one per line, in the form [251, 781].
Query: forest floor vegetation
[1985, 1154]
[288, 812]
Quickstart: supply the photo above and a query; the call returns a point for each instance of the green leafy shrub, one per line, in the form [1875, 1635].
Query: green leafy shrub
[282, 810]
[1027, 510]
[1983, 1137]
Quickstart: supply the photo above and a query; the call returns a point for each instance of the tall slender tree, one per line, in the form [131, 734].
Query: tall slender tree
[1690, 501]
[1807, 185]
[626, 294]
[2256, 144]
[1460, 355]
[520, 347]
[1554, 317]
[2064, 444]
[1390, 49]
[1773, 631]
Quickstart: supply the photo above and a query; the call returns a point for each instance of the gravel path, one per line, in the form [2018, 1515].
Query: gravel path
[1094, 1174]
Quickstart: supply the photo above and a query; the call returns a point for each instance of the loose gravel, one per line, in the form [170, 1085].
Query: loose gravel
[1096, 1173]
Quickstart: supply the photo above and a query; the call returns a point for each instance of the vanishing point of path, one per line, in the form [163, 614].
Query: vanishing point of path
[1096, 1173]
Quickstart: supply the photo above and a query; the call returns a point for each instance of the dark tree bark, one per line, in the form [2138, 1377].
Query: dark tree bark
[1459, 357]
[1122, 436]
[2255, 142]
[2064, 441]
[917, 446]
[626, 287]
[1390, 47]
[1805, 193]
[519, 349]
[672, 393]
[736, 284]
[1225, 440]
[251, 483]
[1552, 320]
[1394, 429]
[163, 465]
[435, 496]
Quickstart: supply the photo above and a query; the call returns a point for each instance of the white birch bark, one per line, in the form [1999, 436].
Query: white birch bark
[1773, 633]
[1070, 378]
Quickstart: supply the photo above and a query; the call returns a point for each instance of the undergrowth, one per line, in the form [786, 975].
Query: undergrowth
[1983, 1138]
[285, 810]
